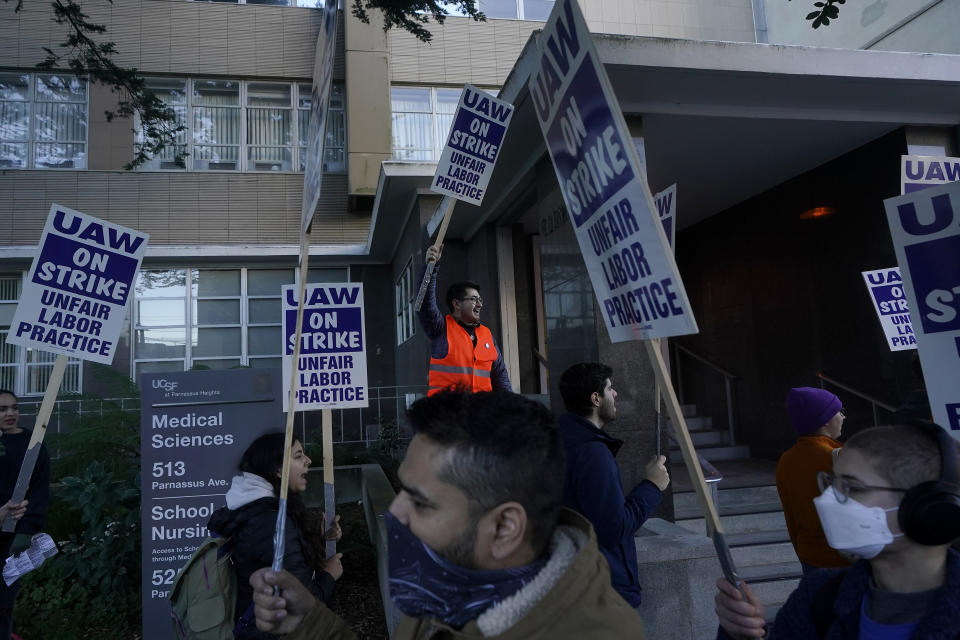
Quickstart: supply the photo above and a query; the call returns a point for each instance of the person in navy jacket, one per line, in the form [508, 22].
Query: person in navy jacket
[593, 486]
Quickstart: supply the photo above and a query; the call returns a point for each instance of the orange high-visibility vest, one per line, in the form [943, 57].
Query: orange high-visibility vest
[465, 365]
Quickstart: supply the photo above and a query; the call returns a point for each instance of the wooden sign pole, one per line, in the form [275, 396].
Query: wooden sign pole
[714, 528]
[448, 204]
[329, 499]
[279, 539]
[36, 438]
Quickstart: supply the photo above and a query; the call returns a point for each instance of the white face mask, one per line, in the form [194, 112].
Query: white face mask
[853, 527]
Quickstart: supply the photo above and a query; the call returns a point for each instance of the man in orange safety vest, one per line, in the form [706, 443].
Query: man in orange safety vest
[462, 351]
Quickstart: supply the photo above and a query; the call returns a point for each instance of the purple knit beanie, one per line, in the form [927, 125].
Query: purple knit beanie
[810, 408]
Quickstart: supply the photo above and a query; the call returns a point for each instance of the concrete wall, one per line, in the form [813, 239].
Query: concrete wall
[178, 37]
[368, 102]
[180, 207]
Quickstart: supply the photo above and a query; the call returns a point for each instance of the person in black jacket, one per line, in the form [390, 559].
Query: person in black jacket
[13, 448]
[593, 486]
[251, 515]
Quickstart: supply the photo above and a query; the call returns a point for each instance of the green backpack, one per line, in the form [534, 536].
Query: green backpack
[204, 594]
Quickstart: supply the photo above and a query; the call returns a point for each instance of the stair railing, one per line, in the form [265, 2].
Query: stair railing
[728, 379]
[874, 403]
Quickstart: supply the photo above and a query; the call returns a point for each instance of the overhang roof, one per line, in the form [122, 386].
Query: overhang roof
[723, 120]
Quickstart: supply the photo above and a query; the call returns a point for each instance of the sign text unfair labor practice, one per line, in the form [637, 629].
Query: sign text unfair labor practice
[476, 136]
[332, 367]
[75, 297]
[925, 229]
[622, 240]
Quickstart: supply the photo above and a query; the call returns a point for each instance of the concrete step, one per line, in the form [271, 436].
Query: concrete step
[743, 498]
[757, 538]
[768, 572]
[740, 523]
[699, 423]
[688, 410]
[709, 438]
[714, 453]
[691, 509]
[774, 592]
[771, 553]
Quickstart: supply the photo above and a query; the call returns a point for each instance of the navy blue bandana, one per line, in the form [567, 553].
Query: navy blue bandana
[424, 585]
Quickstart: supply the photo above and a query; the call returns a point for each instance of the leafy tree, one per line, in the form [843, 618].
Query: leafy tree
[84, 54]
[825, 12]
[411, 15]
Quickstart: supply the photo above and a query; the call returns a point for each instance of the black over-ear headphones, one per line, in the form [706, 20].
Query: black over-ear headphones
[930, 512]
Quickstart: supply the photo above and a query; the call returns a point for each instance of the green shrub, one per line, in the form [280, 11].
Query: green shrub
[91, 588]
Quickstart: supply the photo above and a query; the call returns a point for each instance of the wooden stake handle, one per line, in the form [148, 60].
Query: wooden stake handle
[712, 519]
[448, 204]
[329, 498]
[279, 541]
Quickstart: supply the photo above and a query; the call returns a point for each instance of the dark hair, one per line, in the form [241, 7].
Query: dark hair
[581, 381]
[458, 290]
[904, 454]
[504, 448]
[264, 457]
[9, 393]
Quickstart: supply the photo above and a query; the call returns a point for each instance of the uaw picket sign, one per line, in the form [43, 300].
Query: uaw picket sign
[925, 228]
[332, 366]
[920, 172]
[666, 202]
[75, 297]
[622, 240]
[319, 101]
[890, 302]
[473, 146]
[194, 427]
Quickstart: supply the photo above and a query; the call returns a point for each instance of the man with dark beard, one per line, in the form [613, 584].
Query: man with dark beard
[478, 544]
[593, 486]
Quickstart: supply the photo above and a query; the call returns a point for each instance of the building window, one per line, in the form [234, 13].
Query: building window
[43, 121]
[212, 318]
[313, 4]
[421, 121]
[335, 144]
[510, 9]
[406, 293]
[27, 371]
[233, 125]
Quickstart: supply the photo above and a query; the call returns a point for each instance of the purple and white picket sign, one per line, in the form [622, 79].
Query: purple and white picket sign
[332, 367]
[316, 129]
[666, 202]
[925, 228]
[624, 246]
[920, 172]
[75, 296]
[473, 146]
[890, 302]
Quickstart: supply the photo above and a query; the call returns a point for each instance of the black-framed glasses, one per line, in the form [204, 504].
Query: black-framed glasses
[474, 299]
[844, 488]
[843, 412]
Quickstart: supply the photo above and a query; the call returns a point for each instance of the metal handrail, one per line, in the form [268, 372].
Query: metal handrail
[874, 403]
[728, 379]
[712, 365]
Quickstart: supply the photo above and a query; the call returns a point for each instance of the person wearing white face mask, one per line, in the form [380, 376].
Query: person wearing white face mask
[893, 500]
